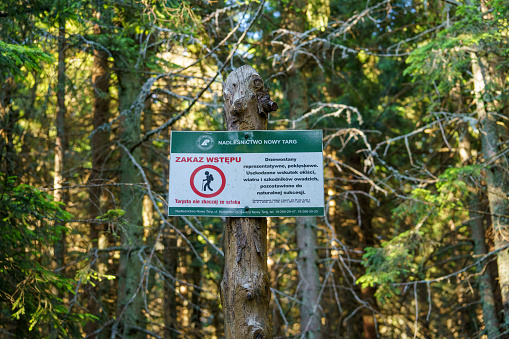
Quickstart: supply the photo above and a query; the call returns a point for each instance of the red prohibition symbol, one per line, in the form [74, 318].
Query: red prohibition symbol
[211, 195]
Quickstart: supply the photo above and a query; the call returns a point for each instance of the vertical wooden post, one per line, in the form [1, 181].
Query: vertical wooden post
[245, 289]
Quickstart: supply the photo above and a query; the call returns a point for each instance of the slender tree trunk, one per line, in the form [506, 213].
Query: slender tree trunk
[486, 289]
[245, 289]
[171, 263]
[368, 320]
[170, 301]
[496, 175]
[60, 143]
[129, 294]
[309, 277]
[8, 120]
[277, 318]
[367, 240]
[196, 275]
[497, 181]
[306, 232]
[99, 144]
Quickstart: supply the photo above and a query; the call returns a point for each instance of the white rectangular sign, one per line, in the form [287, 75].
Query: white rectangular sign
[250, 173]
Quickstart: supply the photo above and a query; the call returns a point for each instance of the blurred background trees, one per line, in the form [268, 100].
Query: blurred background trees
[412, 99]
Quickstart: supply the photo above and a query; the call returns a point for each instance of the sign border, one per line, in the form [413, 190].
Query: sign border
[242, 142]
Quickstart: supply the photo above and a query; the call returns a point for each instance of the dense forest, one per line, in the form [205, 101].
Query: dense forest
[411, 96]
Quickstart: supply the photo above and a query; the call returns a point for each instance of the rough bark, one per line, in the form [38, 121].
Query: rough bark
[129, 296]
[245, 289]
[99, 144]
[486, 289]
[246, 100]
[496, 175]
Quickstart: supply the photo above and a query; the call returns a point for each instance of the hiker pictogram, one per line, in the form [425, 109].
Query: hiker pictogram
[207, 181]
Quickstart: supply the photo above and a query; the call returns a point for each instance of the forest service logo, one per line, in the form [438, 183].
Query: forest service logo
[205, 142]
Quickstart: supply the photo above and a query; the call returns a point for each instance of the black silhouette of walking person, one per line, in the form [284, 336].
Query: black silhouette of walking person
[208, 178]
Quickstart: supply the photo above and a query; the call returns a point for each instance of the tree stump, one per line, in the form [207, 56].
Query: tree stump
[245, 289]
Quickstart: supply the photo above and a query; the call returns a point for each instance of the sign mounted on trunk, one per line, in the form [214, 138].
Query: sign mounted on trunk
[246, 174]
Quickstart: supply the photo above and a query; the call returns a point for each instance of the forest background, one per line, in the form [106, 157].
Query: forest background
[411, 97]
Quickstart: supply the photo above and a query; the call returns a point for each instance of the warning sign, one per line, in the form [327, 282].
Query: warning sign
[251, 173]
[202, 178]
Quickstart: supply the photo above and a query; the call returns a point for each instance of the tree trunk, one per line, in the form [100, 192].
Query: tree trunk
[486, 289]
[277, 319]
[367, 240]
[8, 120]
[309, 277]
[196, 276]
[496, 177]
[306, 232]
[170, 302]
[60, 143]
[129, 295]
[99, 144]
[245, 289]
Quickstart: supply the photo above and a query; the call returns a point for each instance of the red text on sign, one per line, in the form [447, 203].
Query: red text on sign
[224, 159]
[189, 159]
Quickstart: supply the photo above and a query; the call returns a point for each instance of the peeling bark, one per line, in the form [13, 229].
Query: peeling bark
[245, 289]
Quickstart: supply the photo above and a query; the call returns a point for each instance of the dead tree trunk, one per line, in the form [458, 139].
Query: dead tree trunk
[245, 289]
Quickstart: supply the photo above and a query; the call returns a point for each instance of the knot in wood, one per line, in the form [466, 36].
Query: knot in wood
[266, 105]
[272, 106]
[258, 334]
[258, 83]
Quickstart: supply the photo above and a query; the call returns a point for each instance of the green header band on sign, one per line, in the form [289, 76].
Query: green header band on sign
[252, 212]
[246, 142]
